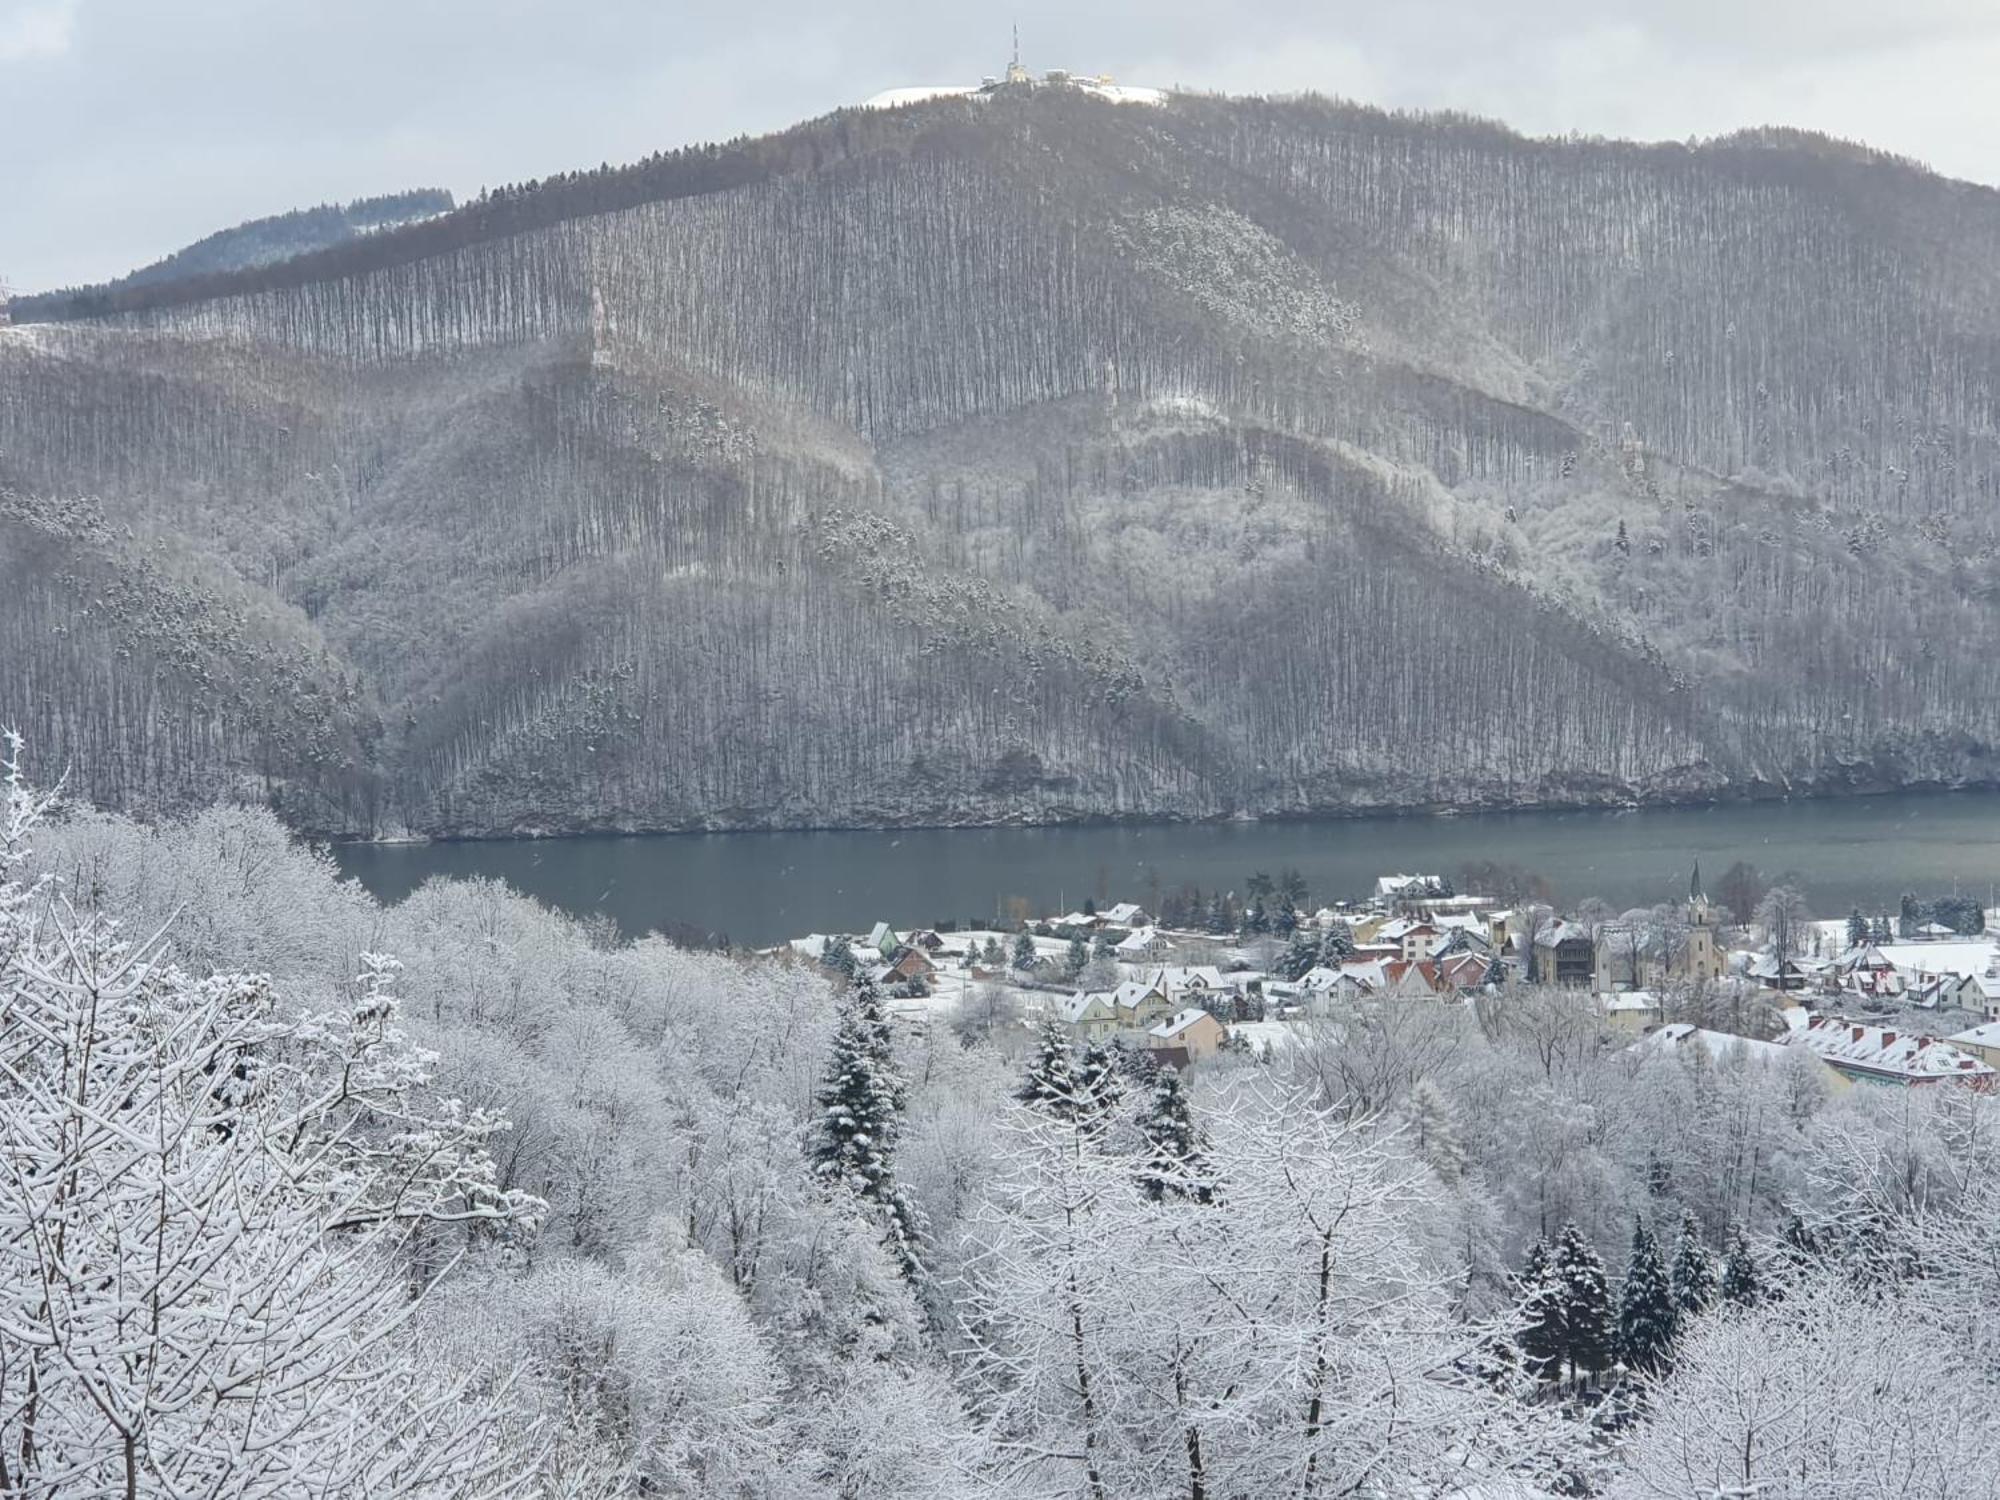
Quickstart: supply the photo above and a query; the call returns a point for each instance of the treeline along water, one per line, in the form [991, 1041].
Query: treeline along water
[759, 888]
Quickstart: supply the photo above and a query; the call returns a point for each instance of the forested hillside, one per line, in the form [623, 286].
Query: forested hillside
[1034, 458]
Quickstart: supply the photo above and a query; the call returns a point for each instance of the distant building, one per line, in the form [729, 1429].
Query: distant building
[1193, 1031]
[1875, 1054]
[1562, 953]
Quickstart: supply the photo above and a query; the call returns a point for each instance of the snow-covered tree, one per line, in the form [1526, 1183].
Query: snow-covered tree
[1432, 1133]
[860, 1101]
[1647, 1316]
[1742, 1282]
[1175, 1163]
[1583, 1295]
[1024, 951]
[218, 1208]
[1049, 1082]
[1829, 1394]
[1693, 1271]
[1100, 1082]
[1541, 1337]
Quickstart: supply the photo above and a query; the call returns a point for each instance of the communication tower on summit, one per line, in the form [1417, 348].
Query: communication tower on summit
[1015, 72]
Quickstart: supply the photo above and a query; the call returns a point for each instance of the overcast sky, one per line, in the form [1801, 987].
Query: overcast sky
[130, 127]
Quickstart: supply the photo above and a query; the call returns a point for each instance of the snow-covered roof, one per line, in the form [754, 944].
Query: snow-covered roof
[1134, 993]
[1181, 977]
[1078, 1007]
[1176, 1024]
[1558, 931]
[1971, 956]
[1896, 1055]
[1681, 1037]
[1987, 1035]
[1124, 914]
[1631, 1000]
[1139, 940]
[1265, 1036]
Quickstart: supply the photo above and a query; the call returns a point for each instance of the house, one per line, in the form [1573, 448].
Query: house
[1194, 1031]
[908, 964]
[1562, 953]
[882, 938]
[1982, 1041]
[1088, 1015]
[1631, 1010]
[1138, 1003]
[1139, 945]
[1774, 973]
[1875, 1054]
[1126, 914]
[1414, 940]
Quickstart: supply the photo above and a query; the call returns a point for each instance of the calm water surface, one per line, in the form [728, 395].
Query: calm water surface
[762, 887]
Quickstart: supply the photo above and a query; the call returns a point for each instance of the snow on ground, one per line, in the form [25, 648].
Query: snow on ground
[896, 98]
[1968, 957]
[1124, 93]
[1115, 93]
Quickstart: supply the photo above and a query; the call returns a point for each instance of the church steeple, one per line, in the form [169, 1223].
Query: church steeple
[1695, 893]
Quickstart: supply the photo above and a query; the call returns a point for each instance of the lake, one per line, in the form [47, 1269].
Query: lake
[760, 888]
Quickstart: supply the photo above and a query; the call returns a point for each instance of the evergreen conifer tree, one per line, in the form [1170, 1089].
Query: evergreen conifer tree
[1100, 1083]
[1857, 929]
[1741, 1286]
[1432, 1133]
[1050, 1082]
[1541, 1339]
[993, 956]
[1694, 1272]
[1024, 951]
[1647, 1317]
[861, 1101]
[1337, 945]
[1174, 1164]
[1300, 955]
[838, 955]
[1078, 957]
[1584, 1295]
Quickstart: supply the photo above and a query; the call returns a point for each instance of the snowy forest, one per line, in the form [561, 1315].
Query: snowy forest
[464, 1198]
[1030, 459]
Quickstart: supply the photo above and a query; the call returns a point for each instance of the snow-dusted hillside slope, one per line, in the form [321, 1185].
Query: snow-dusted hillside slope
[1028, 458]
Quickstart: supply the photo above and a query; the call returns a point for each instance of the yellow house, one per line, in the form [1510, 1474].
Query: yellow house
[1089, 1016]
[1196, 1031]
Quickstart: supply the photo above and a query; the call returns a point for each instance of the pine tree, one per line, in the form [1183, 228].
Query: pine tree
[1432, 1133]
[1301, 955]
[861, 1101]
[1584, 1295]
[1881, 933]
[1077, 958]
[1337, 946]
[1694, 1272]
[1647, 1317]
[1857, 929]
[1740, 1283]
[993, 955]
[1541, 1339]
[1103, 947]
[1024, 951]
[838, 955]
[1050, 1083]
[1100, 1082]
[1174, 1165]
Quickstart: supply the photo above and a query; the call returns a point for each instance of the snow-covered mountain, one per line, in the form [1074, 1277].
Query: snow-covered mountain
[1020, 457]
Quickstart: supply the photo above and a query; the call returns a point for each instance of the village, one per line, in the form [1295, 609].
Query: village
[1911, 1003]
